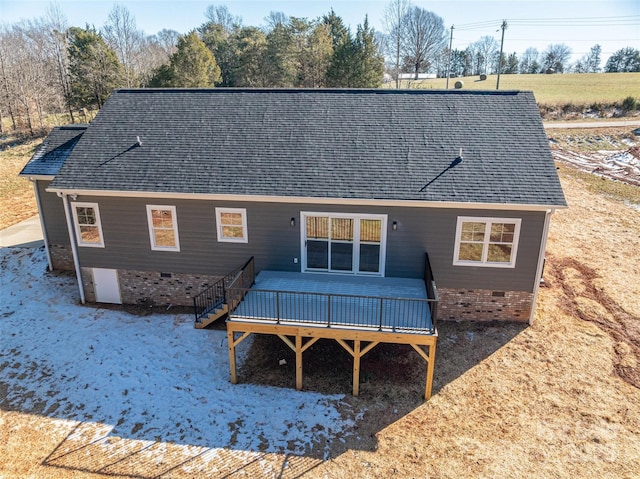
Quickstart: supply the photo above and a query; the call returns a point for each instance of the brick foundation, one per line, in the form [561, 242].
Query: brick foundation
[162, 288]
[87, 283]
[484, 305]
[61, 257]
[153, 288]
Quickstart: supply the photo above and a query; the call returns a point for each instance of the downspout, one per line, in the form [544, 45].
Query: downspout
[44, 228]
[543, 248]
[74, 243]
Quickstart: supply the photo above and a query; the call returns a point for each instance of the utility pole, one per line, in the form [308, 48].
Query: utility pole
[449, 60]
[504, 27]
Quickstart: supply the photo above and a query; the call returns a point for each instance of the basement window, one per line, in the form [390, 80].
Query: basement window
[163, 228]
[232, 225]
[491, 242]
[86, 219]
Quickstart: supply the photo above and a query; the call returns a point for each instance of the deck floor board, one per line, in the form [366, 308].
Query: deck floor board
[359, 302]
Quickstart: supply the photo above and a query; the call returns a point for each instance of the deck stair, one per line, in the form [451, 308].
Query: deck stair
[212, 316]
[211, 304]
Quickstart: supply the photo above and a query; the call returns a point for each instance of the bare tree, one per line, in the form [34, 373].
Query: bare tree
[122, 36]
[425, 39]
[555, 59]
[274, 19]
[529, 61]
[155, 51]
[26, 69]
[222, 16]
[59, 52]
[485, 54]
[393, 21]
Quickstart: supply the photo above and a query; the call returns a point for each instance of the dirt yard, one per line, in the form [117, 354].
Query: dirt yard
[557, 399]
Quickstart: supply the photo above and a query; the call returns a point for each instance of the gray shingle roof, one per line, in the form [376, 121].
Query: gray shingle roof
[53, 151]
[371, 144]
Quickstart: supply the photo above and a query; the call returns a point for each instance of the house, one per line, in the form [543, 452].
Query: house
[169, 190]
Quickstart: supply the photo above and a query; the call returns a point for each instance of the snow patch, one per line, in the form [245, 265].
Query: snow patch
[151, 378]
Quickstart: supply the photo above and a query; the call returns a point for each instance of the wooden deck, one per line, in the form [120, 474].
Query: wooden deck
[358, 312]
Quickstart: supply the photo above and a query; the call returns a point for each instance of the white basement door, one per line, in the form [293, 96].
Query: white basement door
[107, 289]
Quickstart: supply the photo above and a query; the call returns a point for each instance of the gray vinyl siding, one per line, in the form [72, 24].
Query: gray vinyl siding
[275, 243]
[53, 214]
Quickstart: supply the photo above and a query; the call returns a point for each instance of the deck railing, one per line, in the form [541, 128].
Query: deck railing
[215, 295]
[432, 291]
[332, 310]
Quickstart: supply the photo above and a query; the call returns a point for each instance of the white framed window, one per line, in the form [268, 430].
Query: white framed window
[231, 225]
[86, 219]
[491, 242]
[163, 228]
[352, 243]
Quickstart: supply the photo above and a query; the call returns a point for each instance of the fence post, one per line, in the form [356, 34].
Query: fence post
[328, 310]
[277, 307]
[381, 309]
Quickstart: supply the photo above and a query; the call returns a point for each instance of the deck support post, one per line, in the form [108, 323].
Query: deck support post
[356, 342]
[298, 363]
[430, 367]
[232, 356]
[356, 367]
[430, 358]
[232, 342]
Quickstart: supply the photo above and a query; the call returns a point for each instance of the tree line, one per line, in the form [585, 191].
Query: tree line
[47, 66]
[415, 40]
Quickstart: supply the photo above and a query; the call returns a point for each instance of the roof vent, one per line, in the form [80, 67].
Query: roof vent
[460, 155]
[139, 141]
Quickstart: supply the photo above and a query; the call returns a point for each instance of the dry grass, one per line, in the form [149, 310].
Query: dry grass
[583, 89]
[16, 194]
[558, 399]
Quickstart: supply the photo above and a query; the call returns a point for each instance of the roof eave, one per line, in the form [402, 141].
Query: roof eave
[311, 200]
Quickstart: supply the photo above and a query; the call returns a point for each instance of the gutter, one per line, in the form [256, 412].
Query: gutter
[541, 258]
[42, 225]
[74, 243]
[308, 200]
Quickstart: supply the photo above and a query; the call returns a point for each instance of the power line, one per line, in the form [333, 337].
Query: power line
[557, 22]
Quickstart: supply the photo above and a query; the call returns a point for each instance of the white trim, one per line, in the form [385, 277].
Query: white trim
[37, 177]
[485, 245]
[36, 193]
[74, 244]
[538, 278]
[356, 241]
[219, 225]
[310, 200]
[174, 223]
[96, 209]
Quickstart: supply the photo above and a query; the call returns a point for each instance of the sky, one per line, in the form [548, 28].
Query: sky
[613, 24]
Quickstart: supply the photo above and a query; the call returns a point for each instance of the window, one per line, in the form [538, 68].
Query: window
[486, 242]
[343, 243]
[86, 217]
[163, 228]
[232, 225]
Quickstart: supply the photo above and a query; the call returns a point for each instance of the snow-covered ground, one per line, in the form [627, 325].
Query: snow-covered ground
[619, 165]
[144, 378]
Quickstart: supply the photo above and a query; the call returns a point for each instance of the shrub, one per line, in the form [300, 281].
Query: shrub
[629, 104]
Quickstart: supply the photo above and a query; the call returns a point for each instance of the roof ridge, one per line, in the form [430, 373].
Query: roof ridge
[324, 91]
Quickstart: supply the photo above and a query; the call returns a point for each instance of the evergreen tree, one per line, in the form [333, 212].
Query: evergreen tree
[191, 66]
[369, 61]
[356, 62]
[94, 68]
[624, 60]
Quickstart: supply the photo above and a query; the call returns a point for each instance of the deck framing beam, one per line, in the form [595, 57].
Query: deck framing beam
[341, 335]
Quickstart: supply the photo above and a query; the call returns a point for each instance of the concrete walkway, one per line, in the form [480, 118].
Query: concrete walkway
[592, 124]
[26, 234]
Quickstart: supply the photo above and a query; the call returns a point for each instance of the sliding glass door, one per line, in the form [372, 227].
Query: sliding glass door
[344, 243]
